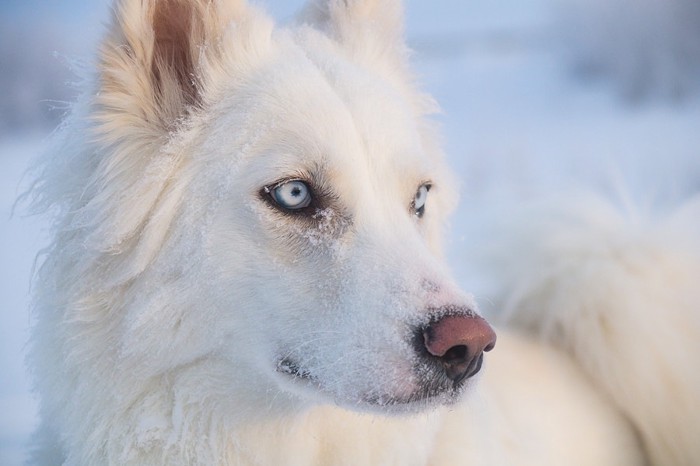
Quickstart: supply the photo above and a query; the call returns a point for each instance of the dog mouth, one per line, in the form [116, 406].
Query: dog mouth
[432, 388]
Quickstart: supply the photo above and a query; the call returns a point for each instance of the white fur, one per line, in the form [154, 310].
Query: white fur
[619, 291]
[173, 291]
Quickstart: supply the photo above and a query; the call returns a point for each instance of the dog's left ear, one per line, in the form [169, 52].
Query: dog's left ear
[371, 30]
[161, 62]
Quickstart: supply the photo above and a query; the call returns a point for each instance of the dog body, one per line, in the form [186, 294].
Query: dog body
[246, 266]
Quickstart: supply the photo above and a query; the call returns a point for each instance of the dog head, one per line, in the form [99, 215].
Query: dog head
[268, 202]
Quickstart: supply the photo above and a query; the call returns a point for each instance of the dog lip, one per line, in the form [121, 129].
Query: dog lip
[442, 396]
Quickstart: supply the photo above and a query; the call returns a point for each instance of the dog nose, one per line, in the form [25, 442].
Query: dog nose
[458, 342]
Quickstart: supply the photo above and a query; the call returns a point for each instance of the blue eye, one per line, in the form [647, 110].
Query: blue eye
[420, 199]
[292, 195]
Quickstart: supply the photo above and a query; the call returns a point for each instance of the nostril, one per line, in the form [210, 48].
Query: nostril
[455, 354]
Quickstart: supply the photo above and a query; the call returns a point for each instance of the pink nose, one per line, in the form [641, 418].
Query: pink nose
[459, 342]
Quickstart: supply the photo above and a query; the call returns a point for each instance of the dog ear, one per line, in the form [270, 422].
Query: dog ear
[369, 29]
[160, 63]
[160, 55]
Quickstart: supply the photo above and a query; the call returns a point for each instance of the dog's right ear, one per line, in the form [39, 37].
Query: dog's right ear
[371, 30]
[161, 57]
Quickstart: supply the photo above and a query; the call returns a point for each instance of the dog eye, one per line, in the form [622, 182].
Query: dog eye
[291, 195]
[420, 199]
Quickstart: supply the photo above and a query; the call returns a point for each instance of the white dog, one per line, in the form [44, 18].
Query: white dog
[246, 270]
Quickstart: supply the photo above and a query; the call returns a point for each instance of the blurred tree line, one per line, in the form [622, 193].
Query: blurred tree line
[645, 48]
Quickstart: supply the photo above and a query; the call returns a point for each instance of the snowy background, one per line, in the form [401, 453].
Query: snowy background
[540, 97]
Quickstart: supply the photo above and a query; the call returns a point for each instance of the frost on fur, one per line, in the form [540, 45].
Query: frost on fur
[620, 293]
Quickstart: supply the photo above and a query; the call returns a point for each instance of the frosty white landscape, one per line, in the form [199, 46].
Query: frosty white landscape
[539, 98]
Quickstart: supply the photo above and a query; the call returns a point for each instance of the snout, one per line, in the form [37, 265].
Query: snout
[456, 343]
